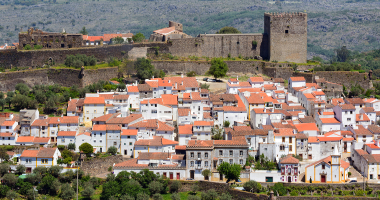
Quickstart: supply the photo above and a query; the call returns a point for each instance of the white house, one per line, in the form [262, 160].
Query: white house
[202, 129]
[93, 107]
[370, 112]
[328, 124]
[233, 85]
[310, 129]
[156, 144]
[285, 140]
[81, 138]
[133, 92]
[66, 137]
[44, 157]
[296, 82]
[345, 113]
[99, 137]
[289, 166]
[184, 133]
[256, 82]
[127, 140]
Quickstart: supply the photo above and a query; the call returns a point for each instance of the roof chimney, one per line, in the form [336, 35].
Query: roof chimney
[175, 85]
[97, 91]
[182, 83]
[152, 77]
[361, 116]
[182, 75]
[237, 77]
[69, 98]
[136, 82]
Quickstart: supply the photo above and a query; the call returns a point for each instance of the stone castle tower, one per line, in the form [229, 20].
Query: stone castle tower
[287, 36]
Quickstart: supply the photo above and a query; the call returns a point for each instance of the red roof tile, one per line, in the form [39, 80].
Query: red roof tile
[297, 78]
[289, 159]
[362, 117]
[183, 112]
[94, 100]
[41, 140]
[70, 120]
[180, 147]
[66, 133]
[25, 139]
[203, 123]
[129, 132]
[29, 153]
[108, 37]
[113, 127]
[306, 127]
[132, 89]
[329, 121]
[185, 129]
[99, 127]
[256, 79]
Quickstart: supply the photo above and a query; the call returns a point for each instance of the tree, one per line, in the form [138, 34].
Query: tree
[55, 170]
[225, 196]
[88, 191]
[71, 146]
[20, 169]
[205, 86]
[12, 194]
[157, 196]
[193, 197]
[155, 187]
[278, 188]
[10, 180]
[112, 150]
[228, 30]
[126, 197]
[121, 86]
[86, 148]
[218, 68]
[252, 186]
[2, 103]
[40, 170]
[143, 68]
[3, 191]
[48, 185]
[22, 88]
[209, 195]
[83, 31]
[217, 133]
[117, 40]
[110, 188]
[23, 186]
[27, 47]
[4, 169]
[342, 54]
[226, 124]
[175, 186]
[9, 97]
[142, 196]
[67, 192]
[131, 187]
[30, 194]
[3, 154]
[139, 37]
[231, 172]
[191, 74]
[206, 173]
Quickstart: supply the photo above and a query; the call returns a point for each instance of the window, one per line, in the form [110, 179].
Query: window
[44, 161]
[94, 141]
[345, 112]
[101, 134]
[283, 139]
[130, 143]
[286, 31]
[231, 161]
[282, 148]
[220, 161]
[192, 164]
[348, 119]
[154, 111]
[231, 153]
[290, 140]
[241, 161]
[28, 160]
[206, 155]
[199, 155]
[62, 140]
[94, 134]
[192, 155]
[241, 153]
[290, 148]
[128, 137]
[323, 166]
[206, 163]
[125, 143]
[350, 112]
[114, 143]
[220, 153]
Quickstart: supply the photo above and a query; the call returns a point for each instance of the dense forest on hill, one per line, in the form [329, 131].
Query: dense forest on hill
[331, 23]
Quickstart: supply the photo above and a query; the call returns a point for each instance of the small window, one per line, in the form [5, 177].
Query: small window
[192, 155]
[221, 153]
[323, 166]
[241, 153]
[286, 31]
[231, 153]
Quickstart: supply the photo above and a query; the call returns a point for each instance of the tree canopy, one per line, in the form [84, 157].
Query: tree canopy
[218, 68]
[145, 70]
[139, 37]
[228, 30]
[84, 31]
[117, 40]
[86, 148]
[231, 172]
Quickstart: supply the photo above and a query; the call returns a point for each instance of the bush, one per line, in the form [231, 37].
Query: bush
[71, 146]
[9, 147]
[191, 74]
[157, 197]
[12, 194]
[193, 197]
[194, 188]
[175, 186]
[20, 169]
[278, 188]
[10, 180]
[27, 47]
[37, 46]
[349, 173]
[359, 192]
[175, 196]
[61, 147]
[142, 196]
[126, 197]
[252, 185]
[347, 192]
[112, 150]
[209, 195]
[80, 60]
[155, 187]
[294, 193]
[225, 196]
[67, 192]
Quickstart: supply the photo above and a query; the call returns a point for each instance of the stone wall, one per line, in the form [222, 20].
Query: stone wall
[98, 166]
[63, 77]
[320, 198]
[346, 78]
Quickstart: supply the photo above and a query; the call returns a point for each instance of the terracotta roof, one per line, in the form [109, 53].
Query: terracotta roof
[236, 141]
[372, 146]
[360, 151]
[178, 156]
[255, 99]
[129, 132]
[41, 140]
[94, 100]
[108, 37]
[121, 97]
[8, 123]
[169, 99]
[70, 120]
[250, 90]
[297, 78]
[329, 121]
[7, 135]
[318, 93]
[103, 118]
[281, 125]
[85, 133]
[93, 38]
[374, 128]
[164, 83]
[362, 117]
[329, 139]
[25, 139]
[242, 128]
[185, 129]
[348, 139]
[313, 139]
[372, 158]
[203, 123]
[200, 144]
[355, 100]
[362, 131]
[144, 88]
[309, 96]
[113, 127]
[256, 79]
[270, 87]
[154, 156]
[188, 82]
[234, 109]
[289, 159]
[204, 91]
[278, 80]
[165, 31]
[307, 119]
[180, 147]
[132, 89]
[306, 127]
[99, 127]
[41, 122]
[164, 127]
[72, 105]
[301, 136]
[106, 96]
[29, 153]
[66, 133]
[150, 123]
[184, 111]
[368, 109]
[156, 141]
[284, 132]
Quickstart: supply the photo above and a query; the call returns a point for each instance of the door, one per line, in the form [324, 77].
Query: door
[300, 155]
[345, 147]
[221, 177]
[192, 174]
[171, 176]
[323, 179]
[28, 170]
[178, 176]
[164, 174]
[269, 179]
[125, 152]
[52, 139]
[101, 150]
[289, 179]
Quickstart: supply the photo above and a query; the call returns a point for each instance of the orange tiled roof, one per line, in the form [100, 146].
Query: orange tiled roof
[362, 131]
[132, 89]
[108, 37]
[70, 120]
[29, 153]
[203, 123]
[94, 100]
[183, 111]
[164, 127]
[41, 140]
[41, 122]
[106, 96]
[169, 99]
[318, 93]
[284, 132]
[256, 79]
[164, 31]
[363, 117]
[185, 129]
[306, 127]
[129, 132]
[8, 123]
[242, 128]
[289, 159]
[234, 109]
[66, 133]
[180, 147]
[25, 139]
[113, 127]
[297, 78]
[329, 121]
[99, 127]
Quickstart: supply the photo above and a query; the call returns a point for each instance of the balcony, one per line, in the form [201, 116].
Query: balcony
[198, 167]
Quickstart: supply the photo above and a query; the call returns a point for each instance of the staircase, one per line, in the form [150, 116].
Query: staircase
[355, 173]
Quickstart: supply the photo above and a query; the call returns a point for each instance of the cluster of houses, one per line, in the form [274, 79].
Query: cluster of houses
[176, 129]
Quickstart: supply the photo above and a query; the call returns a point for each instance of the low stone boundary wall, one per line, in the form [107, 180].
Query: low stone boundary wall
[97, 166]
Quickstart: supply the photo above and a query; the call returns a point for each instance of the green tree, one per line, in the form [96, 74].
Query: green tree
[155, 187]
[22, 88]
[175, 186]
[3, 191]
[121, 86]
[209, 195]
[131, 187]
[157, 196]
[110, 188]
[342, 54]
[67, 192]
[12, 195]
[10, 180]
[226, 124]
[3, 154]
[126, 197]
[225, 196]
[205, 86]
[83, 31]
[142, 196]
[9, 97]
[217, 133]
[71, 146]
[278, 188]
[86, 148]
[206, 173]
[2, 103]
[55, 170]
[252, 186]
[231, 172]
[175, 196]
[139, 37]
[48, 185]
[40, 96]
[23, 186]
[88, 191]
[218, 68]
[20, 169]
[117, 40]
[191, 74]
[143, 68]
[40, 170]
[30, 194]
[4, 168]
[27, 47]
[228, 30]
[112, 150]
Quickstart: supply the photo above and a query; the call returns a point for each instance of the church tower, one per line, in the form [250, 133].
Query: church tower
[335, 166]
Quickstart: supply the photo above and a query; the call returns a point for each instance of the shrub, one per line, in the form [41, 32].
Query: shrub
[359, 192]
[209, 195]
[10, 180]
[157, 197]
[112, 150]
[20, 169]
[193, 197]
[9, 147]
[126, 197]
[37, 46]
[252, 186]
[175, 196]
[80, 60]
[175, 186]
[225, 196]
[349, 173]
[347, 192]
[71, 146]
[155, 187]
[294, 193]
[12, 194]
[191, 74]
[278, 188]
[142, 196]
[194, 188]
[27, 47]
[110, 169]
[61, 147]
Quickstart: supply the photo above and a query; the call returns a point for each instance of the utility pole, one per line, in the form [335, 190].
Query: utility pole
[77, 180]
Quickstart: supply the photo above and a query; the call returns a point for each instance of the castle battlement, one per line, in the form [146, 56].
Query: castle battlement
[285, 14]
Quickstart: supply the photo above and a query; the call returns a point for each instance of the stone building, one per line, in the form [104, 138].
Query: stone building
[50, 40]
[174, 31]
